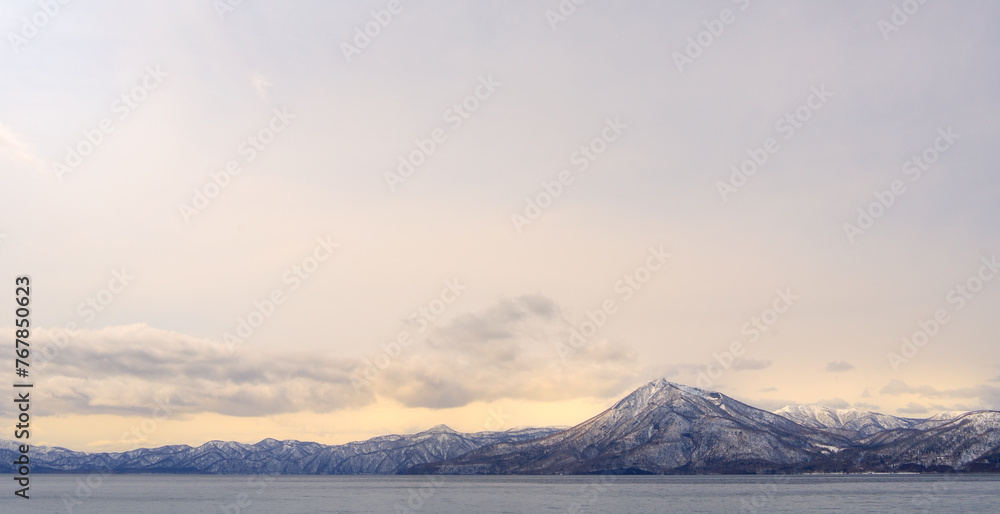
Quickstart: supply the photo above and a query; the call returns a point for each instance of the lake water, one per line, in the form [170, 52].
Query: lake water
[579, 494]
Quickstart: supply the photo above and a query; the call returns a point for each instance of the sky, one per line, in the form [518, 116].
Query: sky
[328, 221]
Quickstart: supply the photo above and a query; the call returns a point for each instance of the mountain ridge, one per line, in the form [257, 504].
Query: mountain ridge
[386, 454]
[659, 428]
[663, 427]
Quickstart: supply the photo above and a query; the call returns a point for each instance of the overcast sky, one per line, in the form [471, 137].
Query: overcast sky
[562, 167]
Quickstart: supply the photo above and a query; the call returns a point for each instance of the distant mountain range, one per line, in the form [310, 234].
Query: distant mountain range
[670, 428]
[660, 428]
[384, 455]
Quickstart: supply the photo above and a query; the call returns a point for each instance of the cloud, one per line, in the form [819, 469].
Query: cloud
[504, 351]
[836, 403]
[503, 321]
[987, 394]
[839, 366]
[772, 405]
[913, 408]
[768, 389]
[751, 364]
[768, 405]
[897, 387]
[128, 369]
[866, 406]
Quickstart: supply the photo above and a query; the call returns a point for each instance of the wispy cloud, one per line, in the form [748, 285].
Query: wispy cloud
[838, 367]
[987, 394]
[504, 351]
[836, 403]
[125, 369]
[913, 408]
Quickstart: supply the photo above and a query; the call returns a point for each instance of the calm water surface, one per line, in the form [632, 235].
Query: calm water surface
[616, 494]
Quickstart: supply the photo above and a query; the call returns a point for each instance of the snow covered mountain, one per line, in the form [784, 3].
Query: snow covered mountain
[669, 428]
[381, 455]
[862, 422]
[661, 427]
[969, 442]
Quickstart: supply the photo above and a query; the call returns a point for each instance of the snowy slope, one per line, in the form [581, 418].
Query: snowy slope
[661, 427]
[865, 423]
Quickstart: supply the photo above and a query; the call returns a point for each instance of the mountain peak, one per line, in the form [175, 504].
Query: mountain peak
[662, 384]
[440, 429]
[662, 389]
[946, 415]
